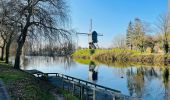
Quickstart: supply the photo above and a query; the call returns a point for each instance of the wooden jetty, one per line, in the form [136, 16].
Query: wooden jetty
[84, 89]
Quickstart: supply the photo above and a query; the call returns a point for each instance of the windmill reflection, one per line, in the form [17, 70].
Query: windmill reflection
[93, 71]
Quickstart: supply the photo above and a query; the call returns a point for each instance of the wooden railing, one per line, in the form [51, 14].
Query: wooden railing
[81, 85]
[83, 82]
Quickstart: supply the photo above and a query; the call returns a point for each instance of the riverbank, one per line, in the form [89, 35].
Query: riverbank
[121, 55]
[23, 86]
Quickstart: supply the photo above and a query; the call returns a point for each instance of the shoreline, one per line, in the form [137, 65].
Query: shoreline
[124, 56]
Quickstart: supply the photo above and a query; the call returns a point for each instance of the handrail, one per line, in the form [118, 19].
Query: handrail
[81, 81]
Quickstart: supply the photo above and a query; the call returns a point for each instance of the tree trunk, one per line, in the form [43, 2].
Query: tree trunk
[18, 54]
[166, 47]
[7, 51]
[20, 43]
[131, 47]
[2, 52]
[8, 48]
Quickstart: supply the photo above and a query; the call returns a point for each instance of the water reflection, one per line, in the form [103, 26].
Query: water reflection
[24, 61]
[145, 82]
[93, 71]
[38, 61]
[135, 82]
[166, 82]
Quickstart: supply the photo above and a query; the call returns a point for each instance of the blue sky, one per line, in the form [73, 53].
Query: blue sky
[111, 17]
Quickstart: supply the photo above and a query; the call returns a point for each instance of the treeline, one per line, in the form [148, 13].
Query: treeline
[65, 49]
[31, 21]
[142, 36]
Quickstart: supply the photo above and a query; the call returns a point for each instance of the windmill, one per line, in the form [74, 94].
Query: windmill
[92, 37]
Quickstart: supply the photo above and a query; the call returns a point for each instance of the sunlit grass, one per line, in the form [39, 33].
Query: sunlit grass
[119, 55]
[82, 53]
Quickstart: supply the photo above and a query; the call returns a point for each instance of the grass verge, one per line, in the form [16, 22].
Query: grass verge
[24, 86]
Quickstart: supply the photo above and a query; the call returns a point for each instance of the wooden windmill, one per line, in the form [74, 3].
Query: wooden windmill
[92, 37]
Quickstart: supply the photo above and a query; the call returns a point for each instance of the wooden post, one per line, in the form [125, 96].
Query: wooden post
[117, 98]
[87, 97]
[82, 92]
[94, 94]
[73, 88]
[62, 82]
[114, 97]
[68, 85]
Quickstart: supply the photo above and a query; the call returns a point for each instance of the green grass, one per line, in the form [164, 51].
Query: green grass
[67, 95]
[35, 93]
[117, 53]
[22, 85]
[120, 55]
[10, 76]
[82, 53]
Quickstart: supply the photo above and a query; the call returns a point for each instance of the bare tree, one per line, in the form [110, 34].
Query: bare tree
[11, 36]
[139, 34]
[8, 28]
[119, 41]
[38, 18]
[163, 26]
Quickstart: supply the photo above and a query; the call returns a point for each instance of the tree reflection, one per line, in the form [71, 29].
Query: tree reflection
[67, 62]
[135, 81]
[24, 62]
[166, 81]
[130, 81]
[39, 61]
[139, 80]
[150, 73]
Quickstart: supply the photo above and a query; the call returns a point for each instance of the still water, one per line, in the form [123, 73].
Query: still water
[145, 82]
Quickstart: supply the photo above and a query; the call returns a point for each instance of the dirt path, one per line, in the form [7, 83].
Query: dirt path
[3, 92]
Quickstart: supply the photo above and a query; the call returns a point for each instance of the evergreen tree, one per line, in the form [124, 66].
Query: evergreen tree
[129, 36]
[139, 34]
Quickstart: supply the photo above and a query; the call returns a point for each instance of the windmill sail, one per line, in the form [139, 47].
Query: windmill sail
[92, 37]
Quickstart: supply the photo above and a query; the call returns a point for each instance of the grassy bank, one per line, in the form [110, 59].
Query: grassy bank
[23, 86]
[121, 55]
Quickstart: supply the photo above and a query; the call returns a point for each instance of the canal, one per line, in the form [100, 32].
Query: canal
[145, 82]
